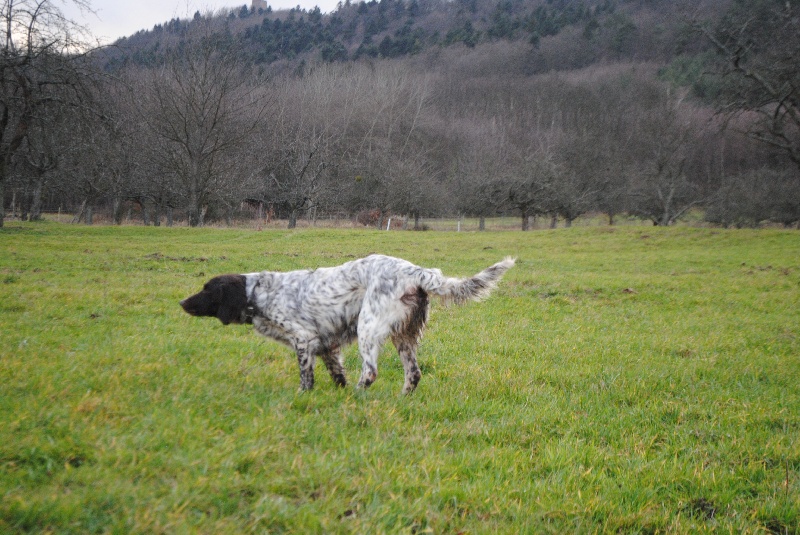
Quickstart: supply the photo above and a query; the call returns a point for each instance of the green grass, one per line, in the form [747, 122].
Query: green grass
[636, 380]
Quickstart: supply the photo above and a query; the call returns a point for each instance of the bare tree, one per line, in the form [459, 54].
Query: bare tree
[660, 188]
[525, 184]
[295, 176]
[97, 156]
[346, 137]
[761, 195]
[42, 154]
[390, 154]
[594, 142]
[300, 140]
[414, 187]
[41, 64]
[760, 41]
[117, 142]
[570, 194]
[201, 110]
[483, 151]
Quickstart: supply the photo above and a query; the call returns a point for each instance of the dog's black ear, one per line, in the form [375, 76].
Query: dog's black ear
[232, 299]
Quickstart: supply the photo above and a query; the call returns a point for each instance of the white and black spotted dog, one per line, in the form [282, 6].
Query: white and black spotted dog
[317, 312]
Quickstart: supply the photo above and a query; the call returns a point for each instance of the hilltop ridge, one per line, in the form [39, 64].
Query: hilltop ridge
[553, 34]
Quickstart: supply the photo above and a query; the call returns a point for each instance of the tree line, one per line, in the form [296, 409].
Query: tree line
[204, 135]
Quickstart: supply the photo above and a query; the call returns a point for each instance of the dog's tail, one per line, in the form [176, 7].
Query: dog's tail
[458, 291]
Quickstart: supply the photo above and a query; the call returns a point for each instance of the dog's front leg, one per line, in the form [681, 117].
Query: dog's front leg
[306, 360]
[333, 360]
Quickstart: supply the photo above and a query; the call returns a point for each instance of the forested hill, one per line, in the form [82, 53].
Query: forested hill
[558, 34]
[536, 108]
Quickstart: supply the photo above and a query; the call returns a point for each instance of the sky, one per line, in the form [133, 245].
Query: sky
[119, 18]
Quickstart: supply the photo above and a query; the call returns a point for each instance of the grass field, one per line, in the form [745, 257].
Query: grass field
[635, 380]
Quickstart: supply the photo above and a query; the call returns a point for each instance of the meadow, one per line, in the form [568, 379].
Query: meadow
[624, 380]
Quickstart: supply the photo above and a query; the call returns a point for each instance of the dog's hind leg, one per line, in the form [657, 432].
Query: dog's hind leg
[382, 315]
[333, 361]
[373, 329]
[369, 349]
[408, 355]
[407, 338]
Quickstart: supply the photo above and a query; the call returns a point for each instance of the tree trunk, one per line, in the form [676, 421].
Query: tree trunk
[482, 223]
[24, 205]
[36, 202]
[2, 192]
[195, 209]
[554, 221]
[169, 216]
[116, 211]
[80, 213]
[292, 219]
[526, 222]
[89, 215]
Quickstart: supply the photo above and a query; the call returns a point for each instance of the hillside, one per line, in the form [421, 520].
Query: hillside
[555, 34]
[533, 108]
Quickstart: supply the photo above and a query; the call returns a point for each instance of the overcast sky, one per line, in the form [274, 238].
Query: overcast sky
[120, 18]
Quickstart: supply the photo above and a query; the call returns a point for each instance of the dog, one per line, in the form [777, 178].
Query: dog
[318, 312]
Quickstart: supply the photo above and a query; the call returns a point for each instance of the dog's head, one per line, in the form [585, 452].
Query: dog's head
[223, 297]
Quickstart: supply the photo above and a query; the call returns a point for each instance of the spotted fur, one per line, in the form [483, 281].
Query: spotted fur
[317, 312]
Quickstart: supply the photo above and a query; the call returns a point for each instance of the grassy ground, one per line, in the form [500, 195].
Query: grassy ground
[620, 380]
